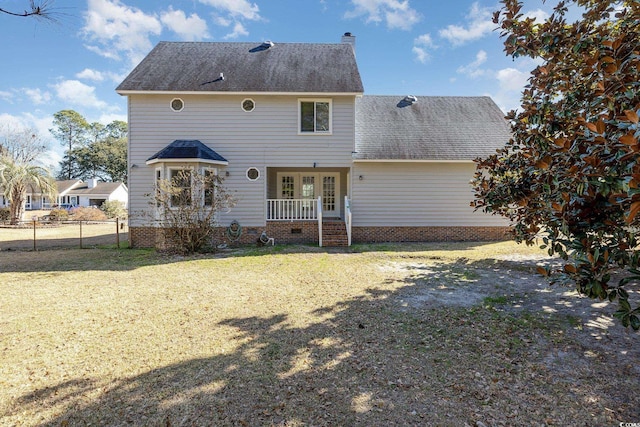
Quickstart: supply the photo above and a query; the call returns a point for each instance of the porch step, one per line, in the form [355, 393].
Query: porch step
[334, 233]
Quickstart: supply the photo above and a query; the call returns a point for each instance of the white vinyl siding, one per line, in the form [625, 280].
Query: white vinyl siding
[415, 194]
[268, 137]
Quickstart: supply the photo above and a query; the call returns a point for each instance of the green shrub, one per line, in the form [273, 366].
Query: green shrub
[88, 214]
[59, 214]
[114, 209]
[5, 214]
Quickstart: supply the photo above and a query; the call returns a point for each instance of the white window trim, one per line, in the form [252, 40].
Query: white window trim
[314, 100]
[203, 171]
[171, 105]
[242, 105]
[246, 174]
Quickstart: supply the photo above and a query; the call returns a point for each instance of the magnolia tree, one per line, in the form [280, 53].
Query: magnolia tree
[570, 176]
[187, 206]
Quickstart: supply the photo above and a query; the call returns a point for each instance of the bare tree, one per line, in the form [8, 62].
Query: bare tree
[19, 168]
[38, 9]
[23, 145]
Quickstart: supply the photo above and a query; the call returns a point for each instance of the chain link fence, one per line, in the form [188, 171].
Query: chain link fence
[39, 234]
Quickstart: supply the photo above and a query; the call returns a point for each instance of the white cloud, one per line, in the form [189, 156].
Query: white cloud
[511, 82]
[89, 74]
[512, 79]
[99, 76]
[539, 15]
[12, 122]
[119, 28]
[6, 96]
[190, 28]
[238, 30]
[473, 69]
[75, 93]
[397, 14]
[37, 96]
[236, 8]
[420, 46]
[105, 119]
[222, 21]
[479, 25]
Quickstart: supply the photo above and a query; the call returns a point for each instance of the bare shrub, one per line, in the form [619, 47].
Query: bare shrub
[88, 214]
[186, 207]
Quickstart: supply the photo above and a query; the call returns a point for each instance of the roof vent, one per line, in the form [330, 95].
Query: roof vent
[410, 99]
[267, 44]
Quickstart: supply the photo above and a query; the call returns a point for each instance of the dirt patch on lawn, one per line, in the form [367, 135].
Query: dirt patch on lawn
[511, 287]
[511, 284]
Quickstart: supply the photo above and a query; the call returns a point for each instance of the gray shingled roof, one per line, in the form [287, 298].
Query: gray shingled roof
[101, 188]
[247, 67]
[433, 128]
[187, 149]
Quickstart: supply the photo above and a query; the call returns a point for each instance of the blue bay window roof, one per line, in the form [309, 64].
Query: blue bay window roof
[182, 150]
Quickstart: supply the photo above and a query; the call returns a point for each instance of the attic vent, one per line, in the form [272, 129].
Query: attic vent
[267, 44]
[410, 99]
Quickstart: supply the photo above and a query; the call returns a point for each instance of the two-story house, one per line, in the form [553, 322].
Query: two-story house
[308, 157]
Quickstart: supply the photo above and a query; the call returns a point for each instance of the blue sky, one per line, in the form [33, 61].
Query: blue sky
[418, 47]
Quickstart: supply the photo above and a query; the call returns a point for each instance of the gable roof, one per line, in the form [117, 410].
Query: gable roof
[184, 150]
[432, 128]
[246, 67]
[76, 187]
[101, 188]
[64, 186]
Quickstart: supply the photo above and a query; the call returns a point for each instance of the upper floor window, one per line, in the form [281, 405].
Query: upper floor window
[315, 116]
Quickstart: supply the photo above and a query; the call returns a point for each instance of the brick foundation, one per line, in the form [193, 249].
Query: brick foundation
[293, 232]
[428, 234]
[307, 232]
[152, 237]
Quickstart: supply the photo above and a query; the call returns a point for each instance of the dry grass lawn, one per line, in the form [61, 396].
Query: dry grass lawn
[62, 235]
[299, 336]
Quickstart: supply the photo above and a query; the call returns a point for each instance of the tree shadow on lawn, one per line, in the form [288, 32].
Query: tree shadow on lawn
[370, 361]
[112, 259]
[294, 248]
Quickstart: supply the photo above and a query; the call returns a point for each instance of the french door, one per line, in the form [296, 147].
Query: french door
[309, 186]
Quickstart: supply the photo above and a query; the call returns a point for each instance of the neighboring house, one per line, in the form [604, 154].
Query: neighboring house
[76, 193]
[308, 157]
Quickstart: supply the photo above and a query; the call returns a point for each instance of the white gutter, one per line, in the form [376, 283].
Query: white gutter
[247, 93]
[194, 160]
[409, 161]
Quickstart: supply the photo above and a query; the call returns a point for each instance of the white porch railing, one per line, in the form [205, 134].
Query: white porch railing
[320, 221]
[347, 218]
[292, 209]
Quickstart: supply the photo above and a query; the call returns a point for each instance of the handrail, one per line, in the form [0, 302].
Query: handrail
[347, 218]
[320, 221]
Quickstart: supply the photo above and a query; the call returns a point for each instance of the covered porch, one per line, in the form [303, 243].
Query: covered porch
[292, 193]
[310, 195]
